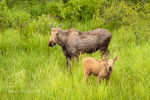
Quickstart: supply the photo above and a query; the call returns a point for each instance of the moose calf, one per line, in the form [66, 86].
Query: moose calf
[101, 68]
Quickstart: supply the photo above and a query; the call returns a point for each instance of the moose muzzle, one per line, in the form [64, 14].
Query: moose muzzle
[110, 68]
[52, 43]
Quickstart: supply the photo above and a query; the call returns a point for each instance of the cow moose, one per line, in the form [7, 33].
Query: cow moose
[74, 42]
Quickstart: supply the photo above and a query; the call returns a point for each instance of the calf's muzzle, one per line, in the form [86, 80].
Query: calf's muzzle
[110, 69]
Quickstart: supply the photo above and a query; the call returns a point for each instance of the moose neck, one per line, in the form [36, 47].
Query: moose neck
[62, 37]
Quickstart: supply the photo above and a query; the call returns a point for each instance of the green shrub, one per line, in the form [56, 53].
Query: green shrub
[18, 18]
[3, 15]
[139, 27]
[76, 13]
[79, 9]
[51, 8]
[12, 18]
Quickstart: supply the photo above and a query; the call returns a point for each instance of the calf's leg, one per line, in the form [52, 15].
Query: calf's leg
[86, 73]
[100, 77]
[108, 80]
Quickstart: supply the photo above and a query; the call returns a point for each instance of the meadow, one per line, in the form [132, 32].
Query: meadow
[30, 70]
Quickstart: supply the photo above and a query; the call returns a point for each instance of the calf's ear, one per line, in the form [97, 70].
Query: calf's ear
[115, 58]
[105, 58]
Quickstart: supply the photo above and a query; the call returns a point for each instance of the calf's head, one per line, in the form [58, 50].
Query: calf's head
[110, 64]
[54, 35]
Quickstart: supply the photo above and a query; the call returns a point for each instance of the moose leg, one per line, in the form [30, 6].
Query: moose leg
[100, 77]
[76, 58]
[102, 53]
[86, 75]
[107, 41]
[68, 63]
[107, 81]
[68, 58]
[107, 53]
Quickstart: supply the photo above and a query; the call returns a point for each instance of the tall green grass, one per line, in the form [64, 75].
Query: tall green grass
[29, 69]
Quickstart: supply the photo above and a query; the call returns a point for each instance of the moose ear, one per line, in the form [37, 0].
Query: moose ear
[105, 58]
[115, 58]
[51, 26]
[60, 25]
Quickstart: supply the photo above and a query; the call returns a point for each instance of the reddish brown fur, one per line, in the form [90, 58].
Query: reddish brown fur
[101, 68]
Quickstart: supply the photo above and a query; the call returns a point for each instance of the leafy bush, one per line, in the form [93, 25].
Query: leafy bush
[139, 27]
[78, 9]
[52, 9]
[74, 13]
[3, 15]
[12, 18]
[18, 18]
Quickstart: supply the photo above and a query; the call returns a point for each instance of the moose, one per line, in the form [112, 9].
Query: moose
[101, 68]
[74, 42]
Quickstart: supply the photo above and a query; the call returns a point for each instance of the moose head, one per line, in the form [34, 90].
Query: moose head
[54, 35]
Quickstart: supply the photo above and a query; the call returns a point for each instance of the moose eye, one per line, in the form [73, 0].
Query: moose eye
[106, 64]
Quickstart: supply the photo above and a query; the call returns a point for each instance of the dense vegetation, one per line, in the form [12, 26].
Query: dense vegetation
[29, 69]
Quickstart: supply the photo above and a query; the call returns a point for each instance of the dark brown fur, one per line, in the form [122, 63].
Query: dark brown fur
[74, 42]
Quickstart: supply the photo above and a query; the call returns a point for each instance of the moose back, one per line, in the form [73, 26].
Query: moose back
[74, 42]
